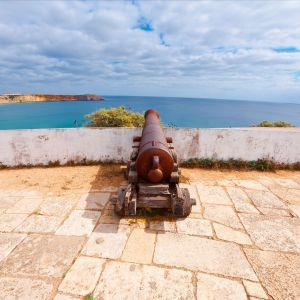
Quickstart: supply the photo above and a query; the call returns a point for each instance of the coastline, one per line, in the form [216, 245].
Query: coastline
[175, 112]
[23, 98]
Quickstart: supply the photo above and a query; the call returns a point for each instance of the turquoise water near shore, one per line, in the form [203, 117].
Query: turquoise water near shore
[179, 112]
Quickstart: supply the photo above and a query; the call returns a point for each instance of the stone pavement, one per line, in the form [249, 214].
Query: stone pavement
[242, 240]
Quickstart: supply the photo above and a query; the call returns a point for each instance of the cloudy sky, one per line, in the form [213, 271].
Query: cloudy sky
[205, 49]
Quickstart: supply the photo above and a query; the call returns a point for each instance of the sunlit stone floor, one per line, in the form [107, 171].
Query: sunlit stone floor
[59, 238]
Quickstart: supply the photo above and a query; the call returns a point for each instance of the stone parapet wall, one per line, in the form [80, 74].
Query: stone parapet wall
[43, 146]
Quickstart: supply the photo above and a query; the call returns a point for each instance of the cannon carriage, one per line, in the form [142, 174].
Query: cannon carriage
[153, 174]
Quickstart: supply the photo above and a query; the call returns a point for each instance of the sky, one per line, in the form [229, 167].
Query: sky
[204, 49]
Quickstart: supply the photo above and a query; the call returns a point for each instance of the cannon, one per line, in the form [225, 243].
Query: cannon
[153, 174]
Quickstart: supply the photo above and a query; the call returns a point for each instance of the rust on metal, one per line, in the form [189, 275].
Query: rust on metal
[154, 161]
[153, 174]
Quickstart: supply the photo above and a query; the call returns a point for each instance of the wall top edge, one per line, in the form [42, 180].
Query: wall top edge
[281, 129]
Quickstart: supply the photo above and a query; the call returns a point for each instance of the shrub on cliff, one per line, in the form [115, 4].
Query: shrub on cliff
[273, 124]
[115, 117]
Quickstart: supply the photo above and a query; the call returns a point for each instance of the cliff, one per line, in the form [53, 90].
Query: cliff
[15, 98]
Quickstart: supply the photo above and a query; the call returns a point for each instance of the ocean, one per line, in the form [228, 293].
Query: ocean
[176, 112]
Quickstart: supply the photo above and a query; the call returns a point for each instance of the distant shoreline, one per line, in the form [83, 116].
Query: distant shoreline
[22, 98]
[174, 112]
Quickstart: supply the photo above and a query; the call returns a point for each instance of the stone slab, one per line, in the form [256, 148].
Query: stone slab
[267, 181]
[56, 206]
[108, 188]
[7, 202]
[25, 206]
[12, 192]
[225, 182]
[39, 223]
[24, 288]
[134, 281]
[81, 279]
[222, 214]
[213, 194]
[274, 212]
[8, 222]
[66, 297]
[194, 227]
[279, 191]
[250, 184]
[107, 241]
[273, 232]
[200, 254]
[287, 183]
[265, 199]
[108, 216]
[278, 272]
[212, 287]
[140, 246]
[29, 193]
[241, 201]
[295, 209]
[162, 225]
[293, 196]
[93, 201]
[206, 182]
[255, 289]
[45, 255]
[8, 241]
[79, 222]
[228, 234]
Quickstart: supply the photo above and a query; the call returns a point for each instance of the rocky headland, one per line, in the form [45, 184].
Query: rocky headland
[17, 98]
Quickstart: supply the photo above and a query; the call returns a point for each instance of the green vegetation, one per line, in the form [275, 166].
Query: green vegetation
[273, 124]
[115, 117]
[69, 163]
[90, 297]
[204, 163]
[237, 164]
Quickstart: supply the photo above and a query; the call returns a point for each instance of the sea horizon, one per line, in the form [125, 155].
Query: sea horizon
[155, 96]
[174, 112]
[204, 98]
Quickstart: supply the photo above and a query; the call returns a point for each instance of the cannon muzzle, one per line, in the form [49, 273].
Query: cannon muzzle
[154, 162]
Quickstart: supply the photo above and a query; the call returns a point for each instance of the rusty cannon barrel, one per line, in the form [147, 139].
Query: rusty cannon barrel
[154, 162]
[153, 175]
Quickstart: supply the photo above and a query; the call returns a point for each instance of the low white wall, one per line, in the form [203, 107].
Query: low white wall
[41, 146]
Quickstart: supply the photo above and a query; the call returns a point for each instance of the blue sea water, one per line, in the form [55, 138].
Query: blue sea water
[178, 112]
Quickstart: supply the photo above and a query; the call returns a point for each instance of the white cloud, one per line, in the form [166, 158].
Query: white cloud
[219, 49]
